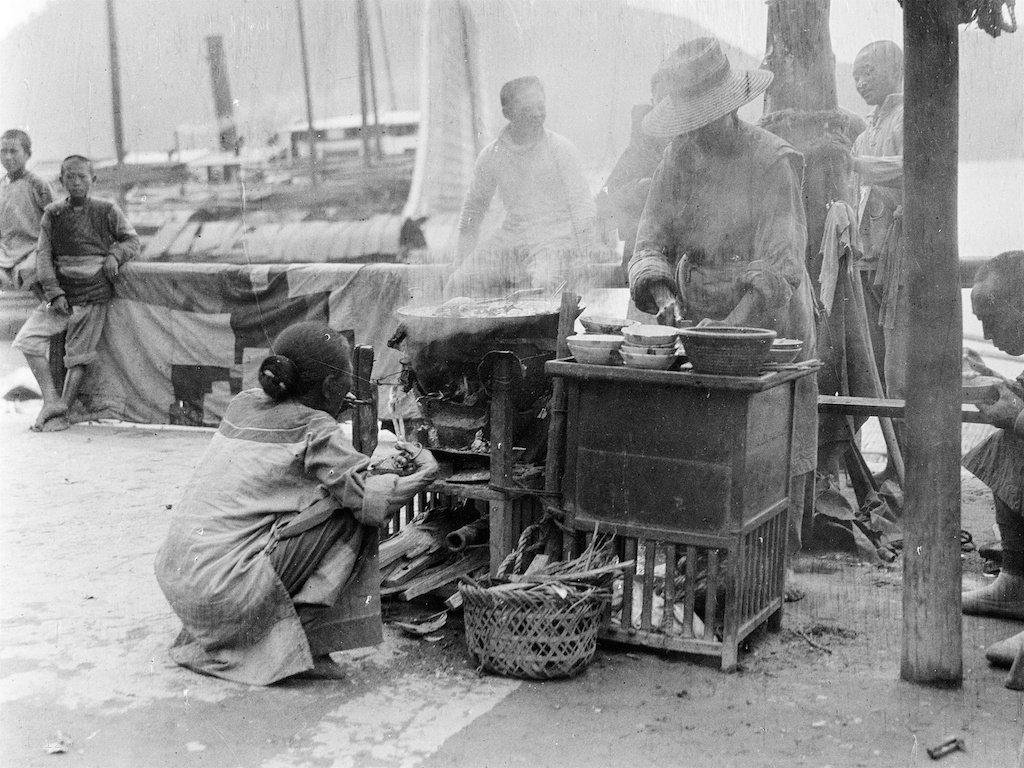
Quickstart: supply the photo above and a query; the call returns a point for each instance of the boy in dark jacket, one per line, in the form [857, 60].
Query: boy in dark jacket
[83, 243]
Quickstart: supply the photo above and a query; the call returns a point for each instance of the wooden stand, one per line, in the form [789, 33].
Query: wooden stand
[679, 464]
[509, 508]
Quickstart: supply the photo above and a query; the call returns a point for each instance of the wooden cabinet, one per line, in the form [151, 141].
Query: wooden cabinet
[691, 472]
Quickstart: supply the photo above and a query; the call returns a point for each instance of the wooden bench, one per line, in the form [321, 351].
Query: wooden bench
[884, 407]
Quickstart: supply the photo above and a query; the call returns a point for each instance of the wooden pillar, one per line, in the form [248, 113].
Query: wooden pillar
[931, 567]
[502, 419]
[364, 419]
[555, 459]
[799, 53]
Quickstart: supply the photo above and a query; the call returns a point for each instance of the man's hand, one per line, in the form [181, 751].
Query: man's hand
[670, 311]
[110, 267]
[975, 362]
[1004, 412]
[60, 305]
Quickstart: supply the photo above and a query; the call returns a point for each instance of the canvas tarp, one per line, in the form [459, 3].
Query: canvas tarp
[182, 339]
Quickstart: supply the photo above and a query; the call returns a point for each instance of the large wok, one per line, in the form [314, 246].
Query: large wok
[443, 349]
[480, 317]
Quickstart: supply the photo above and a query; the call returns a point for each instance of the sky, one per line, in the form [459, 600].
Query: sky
[14, 12]
[743, 22]
[851, 20]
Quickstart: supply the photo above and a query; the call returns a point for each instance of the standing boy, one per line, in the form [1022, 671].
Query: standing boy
[549, 231]
[23, 196]
[878, 161]
[83, 243]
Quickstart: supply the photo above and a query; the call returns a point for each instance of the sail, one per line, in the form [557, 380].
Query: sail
[452, 125]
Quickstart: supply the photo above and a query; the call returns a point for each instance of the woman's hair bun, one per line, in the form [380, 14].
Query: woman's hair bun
[279, 377]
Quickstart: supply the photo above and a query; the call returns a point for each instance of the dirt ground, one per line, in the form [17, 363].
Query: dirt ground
[85, 631]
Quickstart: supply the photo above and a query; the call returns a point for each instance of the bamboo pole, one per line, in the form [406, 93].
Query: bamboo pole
[313, 180]
[392, 99]
[363, 106]
[364, 30]
[115, 98]
[932, 640]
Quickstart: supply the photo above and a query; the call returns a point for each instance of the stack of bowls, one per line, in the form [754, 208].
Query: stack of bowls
[595, 348]
[650, 346]
[604, 324]
[785, 351]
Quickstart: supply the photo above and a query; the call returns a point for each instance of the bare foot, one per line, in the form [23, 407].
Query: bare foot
[324, 668]
[56, 424]
[1003, 598]
[47, 412]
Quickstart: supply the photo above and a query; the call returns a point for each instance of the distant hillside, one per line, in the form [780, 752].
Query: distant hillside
[595, 57]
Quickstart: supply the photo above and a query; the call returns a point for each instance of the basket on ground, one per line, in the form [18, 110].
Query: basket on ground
[537, 634]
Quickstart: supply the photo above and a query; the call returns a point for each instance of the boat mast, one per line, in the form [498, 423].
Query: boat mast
[309, 98]
[115, 95]
[364, 31]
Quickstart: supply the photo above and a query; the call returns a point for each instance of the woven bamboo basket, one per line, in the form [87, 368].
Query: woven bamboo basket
[537, 636]
[733, 351]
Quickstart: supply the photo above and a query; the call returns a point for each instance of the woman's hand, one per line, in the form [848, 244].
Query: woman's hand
[409, 485]
[1005, 411]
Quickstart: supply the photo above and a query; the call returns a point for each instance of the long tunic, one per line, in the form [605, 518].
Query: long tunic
[22, 200]
[629, 180]
[73, 242]
[739, 221]
[267, 462]
[879, 153]
[547, 201]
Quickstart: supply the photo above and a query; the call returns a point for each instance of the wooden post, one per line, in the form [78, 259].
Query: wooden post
[313, 180]
[363, 106]
[502, 417]
[364, 419]
[393, 100]
[931, 567]
[364, 31]
[799, 53]
[556, 427]
[115, 98]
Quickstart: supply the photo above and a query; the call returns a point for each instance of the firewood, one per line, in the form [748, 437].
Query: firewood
[473, 560]
[412, 568]
[410, 542]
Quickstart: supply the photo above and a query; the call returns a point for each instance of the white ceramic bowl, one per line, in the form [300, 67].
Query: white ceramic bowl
[785, 351]
[650, 335]
[594, 355]
[636, 349]
[596, 340]
[650, 362]
[604, 323]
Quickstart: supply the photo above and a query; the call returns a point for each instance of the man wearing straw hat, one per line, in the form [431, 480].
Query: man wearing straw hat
[723, 234]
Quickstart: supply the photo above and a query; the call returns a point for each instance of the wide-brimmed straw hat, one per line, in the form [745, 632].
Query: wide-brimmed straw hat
[703, 87]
